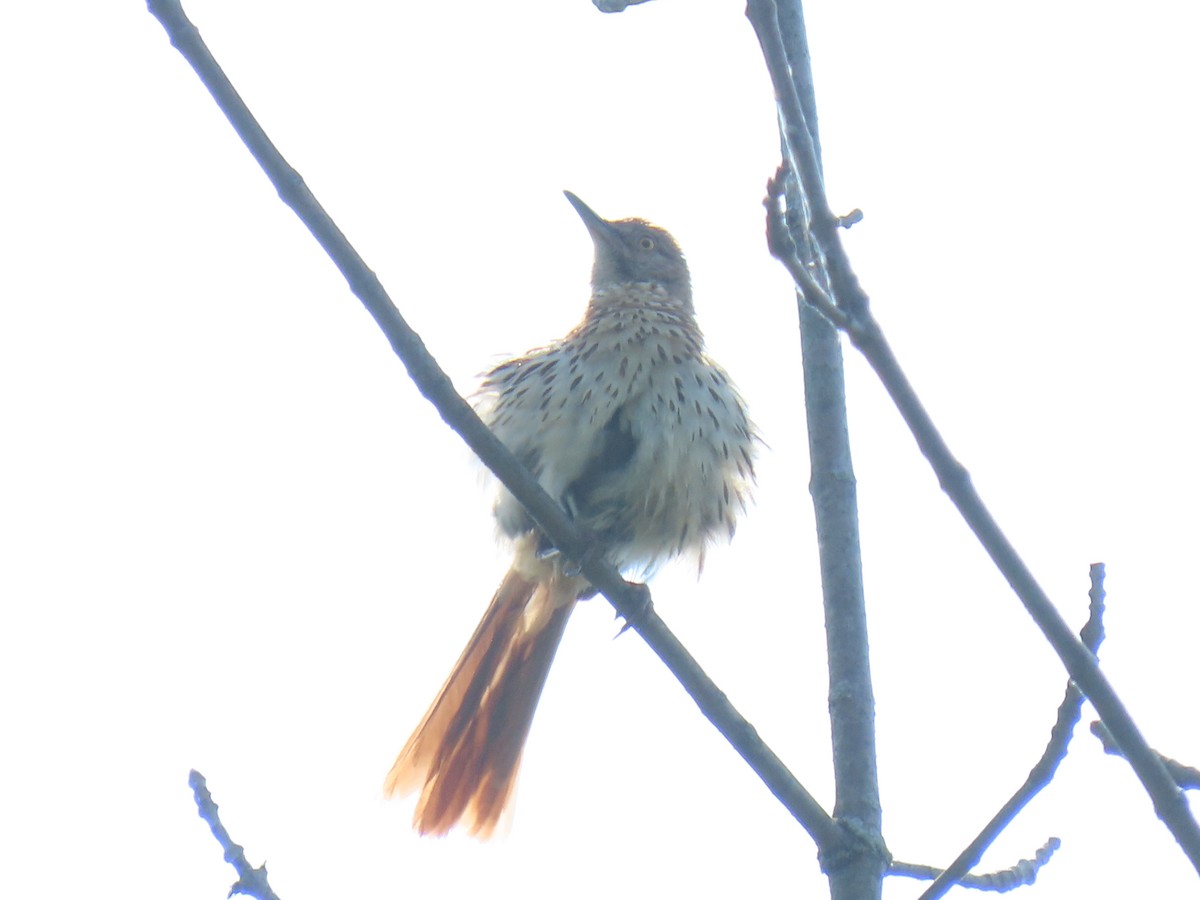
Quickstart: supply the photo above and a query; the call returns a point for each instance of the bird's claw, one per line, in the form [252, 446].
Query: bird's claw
[640, 596]
[592, 551]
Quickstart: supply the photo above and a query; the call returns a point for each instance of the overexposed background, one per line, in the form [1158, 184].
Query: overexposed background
[234, 537]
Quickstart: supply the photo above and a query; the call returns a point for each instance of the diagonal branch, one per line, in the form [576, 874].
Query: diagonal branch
[629, 600]
[1187, 777]
[252, 881]
[1169, 802]
[1043, 771]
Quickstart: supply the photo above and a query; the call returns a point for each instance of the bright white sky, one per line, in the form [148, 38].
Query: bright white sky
[235, 538]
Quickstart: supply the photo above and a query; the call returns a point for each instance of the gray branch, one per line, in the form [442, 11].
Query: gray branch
[1092, 634]
[1022, 874]
[853, 307]
[251, 881]
[629, 600]
[1187, 777]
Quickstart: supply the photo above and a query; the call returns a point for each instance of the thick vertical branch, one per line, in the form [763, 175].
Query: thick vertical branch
[853, 308]
[851, 699]
[858, 870]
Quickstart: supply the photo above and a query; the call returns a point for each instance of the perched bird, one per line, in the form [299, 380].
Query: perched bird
[645, 443]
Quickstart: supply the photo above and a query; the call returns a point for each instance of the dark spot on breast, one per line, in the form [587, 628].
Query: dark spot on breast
[524, 371]
[614, 448]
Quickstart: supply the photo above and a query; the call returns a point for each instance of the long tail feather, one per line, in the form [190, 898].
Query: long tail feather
[463, 757]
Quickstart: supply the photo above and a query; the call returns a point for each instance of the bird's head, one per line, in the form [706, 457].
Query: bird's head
[632, 251]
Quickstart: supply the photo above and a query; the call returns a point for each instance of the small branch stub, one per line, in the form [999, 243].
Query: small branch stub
[615, 6]
[850, 219]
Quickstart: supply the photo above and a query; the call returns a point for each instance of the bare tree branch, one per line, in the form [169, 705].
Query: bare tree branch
[1169, 802]
[856, 873]
[1043, 771]
[251, 881]
[783, 226]
[1022, 874]
[1187, 777]
[631, 601]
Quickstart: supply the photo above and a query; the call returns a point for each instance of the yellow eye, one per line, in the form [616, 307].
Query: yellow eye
[646, 243]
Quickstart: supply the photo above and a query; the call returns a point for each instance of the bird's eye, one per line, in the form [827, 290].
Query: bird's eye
[646, 243]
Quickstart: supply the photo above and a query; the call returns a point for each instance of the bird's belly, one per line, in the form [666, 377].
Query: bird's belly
[650, 454]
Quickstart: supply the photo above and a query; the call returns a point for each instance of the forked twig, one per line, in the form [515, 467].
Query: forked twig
[1043, 771]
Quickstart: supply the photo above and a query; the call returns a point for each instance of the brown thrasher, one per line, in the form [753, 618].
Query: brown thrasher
[644, 441]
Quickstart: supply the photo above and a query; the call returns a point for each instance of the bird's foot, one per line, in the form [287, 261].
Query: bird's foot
[592, 552]
[639, 596]
[545, 549]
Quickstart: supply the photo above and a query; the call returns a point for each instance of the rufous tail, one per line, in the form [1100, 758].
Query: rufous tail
[464, 755]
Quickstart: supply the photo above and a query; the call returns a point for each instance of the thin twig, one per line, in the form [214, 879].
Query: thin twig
[1187, 777]
[803, 158]
[251, 881]
[1169, 802]
[1022, 874]
[782, 244]
[1043, 771]
[629, 601]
